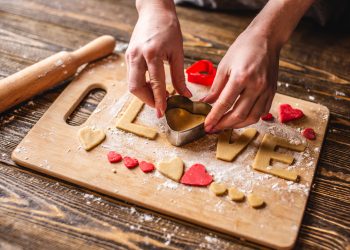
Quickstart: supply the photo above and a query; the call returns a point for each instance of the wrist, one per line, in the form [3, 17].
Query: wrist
[155, 5]
[278, 19]
[267, 37]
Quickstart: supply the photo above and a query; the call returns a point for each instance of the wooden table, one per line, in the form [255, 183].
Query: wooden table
[40, 212]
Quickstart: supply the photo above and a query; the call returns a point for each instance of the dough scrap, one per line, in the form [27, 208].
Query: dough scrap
[173, 169]
[90, 137]
[235, 194]
[125, 122]
[217, 188]
[267, 152]
[227, 151]
[255, 201]
[180, 119]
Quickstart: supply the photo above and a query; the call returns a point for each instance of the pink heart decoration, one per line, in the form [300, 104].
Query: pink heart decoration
[288, 113]
[196, 175]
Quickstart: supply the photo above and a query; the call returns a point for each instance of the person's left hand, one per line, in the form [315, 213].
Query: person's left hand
[245, 83]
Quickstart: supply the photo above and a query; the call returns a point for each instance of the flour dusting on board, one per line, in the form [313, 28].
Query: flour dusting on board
[238, 173]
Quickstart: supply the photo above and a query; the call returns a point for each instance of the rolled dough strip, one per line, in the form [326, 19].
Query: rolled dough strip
[255, 201]
[227, 151]
[125, 122]
[267, 152]
[173, 169]
[90, 137]
[235, 194]
[217, 188]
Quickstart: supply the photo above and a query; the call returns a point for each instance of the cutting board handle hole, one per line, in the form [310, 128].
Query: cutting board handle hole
[85, 108]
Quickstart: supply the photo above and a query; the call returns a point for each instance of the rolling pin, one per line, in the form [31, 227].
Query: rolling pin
[50, 71]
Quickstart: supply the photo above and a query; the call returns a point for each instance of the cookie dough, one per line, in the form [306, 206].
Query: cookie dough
[180, 119]
[125, 122]
[255, 201]
[227, 151]
[217, 188]
[90, 137]
[267, 152]
[235, 194]
[172, 169]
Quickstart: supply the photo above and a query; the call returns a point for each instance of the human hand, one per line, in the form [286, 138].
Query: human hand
[156, 37]
[245, 83]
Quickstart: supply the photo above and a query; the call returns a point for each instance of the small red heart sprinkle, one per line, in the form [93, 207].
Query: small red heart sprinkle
[288, 113]
[309, 133]
[267, 117]
[130, 162]
[196, 175]
[114, 157]
[146, 167]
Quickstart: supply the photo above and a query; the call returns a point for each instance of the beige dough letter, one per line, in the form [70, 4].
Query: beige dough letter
[267, 152]
[125, 122]
[227, 151]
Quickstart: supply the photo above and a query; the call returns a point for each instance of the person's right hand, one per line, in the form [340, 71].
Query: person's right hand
[156, 38]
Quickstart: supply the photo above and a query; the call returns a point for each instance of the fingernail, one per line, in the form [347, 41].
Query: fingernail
[188, 93]
[214, 131]
[208, 128]
[160, 113]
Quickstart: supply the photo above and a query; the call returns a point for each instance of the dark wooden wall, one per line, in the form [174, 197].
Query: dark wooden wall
[40, 212]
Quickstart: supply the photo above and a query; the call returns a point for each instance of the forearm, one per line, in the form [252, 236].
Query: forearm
[278, 19]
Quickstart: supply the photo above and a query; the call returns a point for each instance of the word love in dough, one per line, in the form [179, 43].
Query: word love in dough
[228, 151]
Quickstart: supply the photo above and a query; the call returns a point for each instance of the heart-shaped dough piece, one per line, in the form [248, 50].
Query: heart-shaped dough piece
[90, 137]
[197, 175]
[172, 169]
[217, 188]
[288, 113]
[180, 119]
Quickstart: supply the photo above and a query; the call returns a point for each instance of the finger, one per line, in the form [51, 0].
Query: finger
[217, 87]
[256, 112]
[137, 80]
[224, 103]
[178, 76]
[268, 104]
[240, 111]
[157, 81]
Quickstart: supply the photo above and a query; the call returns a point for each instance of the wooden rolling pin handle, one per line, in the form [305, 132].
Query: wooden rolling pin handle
[94, 50]
[50, 71]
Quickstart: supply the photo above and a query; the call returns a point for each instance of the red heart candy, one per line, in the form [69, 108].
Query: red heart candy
[288, 113]
[309, 133]
[130, 162]
[146, 167]
[196, 175]
[267, 117]
[114, 157]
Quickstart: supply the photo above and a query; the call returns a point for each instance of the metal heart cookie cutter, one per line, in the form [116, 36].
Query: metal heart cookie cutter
[180, 137]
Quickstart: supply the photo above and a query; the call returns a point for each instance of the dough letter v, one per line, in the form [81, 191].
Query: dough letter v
[227, 151]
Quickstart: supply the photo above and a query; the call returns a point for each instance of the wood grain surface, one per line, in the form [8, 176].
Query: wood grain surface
[37, 211]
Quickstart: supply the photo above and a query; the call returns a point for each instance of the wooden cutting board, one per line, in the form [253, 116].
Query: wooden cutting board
[52, 147]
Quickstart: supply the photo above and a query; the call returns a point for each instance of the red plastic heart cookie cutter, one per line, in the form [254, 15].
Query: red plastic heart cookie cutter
[201, 72]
